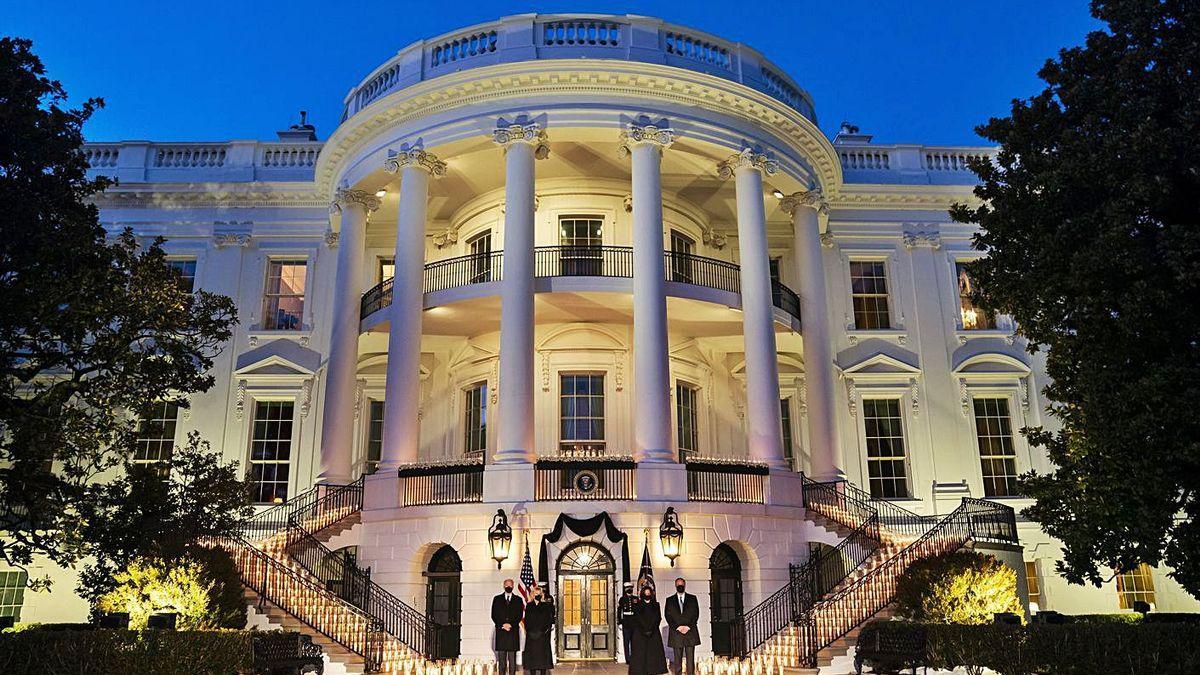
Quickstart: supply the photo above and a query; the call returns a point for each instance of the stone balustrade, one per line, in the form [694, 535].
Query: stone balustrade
[909, 164]
[232, 161]
[532, 37]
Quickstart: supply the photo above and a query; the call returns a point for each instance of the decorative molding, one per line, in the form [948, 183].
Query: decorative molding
[345, 197]
[531, 134]
[713, 238]
[1023, 392]
[619, 370]
[237, 240]
[239, 405]
[537, 204]
[446, 238]
[360, 386]
[827, 240]
[628, 203]
[914, 392]
[801, 396]
[494, 394]
[852, 396]
[416, 158]
[649, 134]
[331, 238]
[545, 369]
[922, 238]
[964, 398]
[813, 199]
[306, 389]
[747, 158]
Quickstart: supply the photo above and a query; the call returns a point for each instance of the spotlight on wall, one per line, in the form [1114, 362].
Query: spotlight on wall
[777, 193]
[500, 537]
[670, 533]
[381, 192]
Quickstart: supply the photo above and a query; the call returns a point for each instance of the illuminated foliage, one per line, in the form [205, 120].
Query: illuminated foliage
[963, 587]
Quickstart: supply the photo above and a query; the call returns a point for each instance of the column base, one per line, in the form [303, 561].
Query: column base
[381, 490]
[332, 479]
[508, 482]
[829, 476]
[661, 481]
[783, 488]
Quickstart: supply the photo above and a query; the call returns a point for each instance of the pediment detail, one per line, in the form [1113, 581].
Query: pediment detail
[881, 365]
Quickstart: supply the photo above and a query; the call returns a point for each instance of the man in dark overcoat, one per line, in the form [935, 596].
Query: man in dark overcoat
[507, 611]
[682, 612]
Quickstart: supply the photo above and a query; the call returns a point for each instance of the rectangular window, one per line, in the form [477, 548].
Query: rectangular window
[1034, 583]
[155, 439]
[581, 414]
[687, 435]
[581, 238]
[683, 248]
[973, 318]
[271, 451]
[869, 295]
[475, 419]
[187, 272]
[12, 592]
[785, 418]
[387, 269]
[480, 246]
[887, 470]
[773, 267]
[374, 437]
[997, 455]
[283, 302]
[1136, 585]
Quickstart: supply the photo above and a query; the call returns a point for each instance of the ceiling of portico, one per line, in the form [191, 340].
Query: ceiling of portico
[475, 167]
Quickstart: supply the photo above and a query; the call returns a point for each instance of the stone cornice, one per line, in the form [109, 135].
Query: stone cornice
[414, 157]
[206, 195]
[746, 159]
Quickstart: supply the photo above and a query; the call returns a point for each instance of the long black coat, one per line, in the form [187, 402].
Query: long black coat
[539, 626]
[648, 656]
[689, 616]
[509, 612]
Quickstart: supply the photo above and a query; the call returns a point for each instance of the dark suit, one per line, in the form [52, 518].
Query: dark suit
[508, 642]
[625, 609]
[683, 645]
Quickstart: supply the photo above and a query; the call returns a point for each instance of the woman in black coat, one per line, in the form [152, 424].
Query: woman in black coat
[649, 657]
[538, 657]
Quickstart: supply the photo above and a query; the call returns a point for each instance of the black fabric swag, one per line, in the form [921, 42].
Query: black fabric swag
[583, 527]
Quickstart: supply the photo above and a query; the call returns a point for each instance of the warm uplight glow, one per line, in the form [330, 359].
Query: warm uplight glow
[381, 192]
[777, 193]
[970, 318]
[671, 534]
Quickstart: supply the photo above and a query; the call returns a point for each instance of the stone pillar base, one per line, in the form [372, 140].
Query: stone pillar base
[661, 481]
[783, 489]
[508, 483]
[381, 490]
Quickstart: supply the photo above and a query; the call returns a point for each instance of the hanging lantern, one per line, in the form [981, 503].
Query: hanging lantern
[500, 537]
[671, 534]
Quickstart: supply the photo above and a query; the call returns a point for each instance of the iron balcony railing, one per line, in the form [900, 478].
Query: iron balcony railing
[579, 261]
[716, 481]
[317, 508]
[457, 483]
[571, 479]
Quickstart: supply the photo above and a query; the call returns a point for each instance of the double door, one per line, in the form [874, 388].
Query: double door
[585, 630]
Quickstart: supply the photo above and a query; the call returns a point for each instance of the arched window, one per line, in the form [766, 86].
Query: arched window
[725, 589]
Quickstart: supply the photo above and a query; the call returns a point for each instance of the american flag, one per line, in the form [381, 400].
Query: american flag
[646, 574]
[526, 583]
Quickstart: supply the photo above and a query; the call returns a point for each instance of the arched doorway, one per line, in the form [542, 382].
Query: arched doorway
[443, 600]
[725, 593]
[586, 597]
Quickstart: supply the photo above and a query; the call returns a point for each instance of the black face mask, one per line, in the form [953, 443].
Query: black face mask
[508, 589]
[647, 597]
[679, 588]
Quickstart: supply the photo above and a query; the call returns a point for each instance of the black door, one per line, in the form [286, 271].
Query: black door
[726, 599]
[443, 601]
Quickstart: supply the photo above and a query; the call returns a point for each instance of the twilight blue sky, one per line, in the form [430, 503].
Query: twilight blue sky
[907, 71]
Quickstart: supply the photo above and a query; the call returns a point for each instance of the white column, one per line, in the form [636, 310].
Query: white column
[806, 209]
[337, 421]
[522, 143]
[651, 364]
[402, 398]
[764, 433]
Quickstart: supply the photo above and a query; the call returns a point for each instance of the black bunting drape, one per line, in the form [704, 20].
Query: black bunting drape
[584, 527]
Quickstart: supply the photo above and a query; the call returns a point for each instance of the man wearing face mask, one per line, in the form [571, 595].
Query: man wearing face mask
[625, 607]
[682, 613]
[507, 612]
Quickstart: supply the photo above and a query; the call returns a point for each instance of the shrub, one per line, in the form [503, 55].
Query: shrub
[54, 652]
[1126, 619]
[202, 588]
[962, 587]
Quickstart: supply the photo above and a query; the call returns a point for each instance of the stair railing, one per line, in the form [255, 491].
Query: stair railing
[354, 585]
[318, 508]
[835, 615]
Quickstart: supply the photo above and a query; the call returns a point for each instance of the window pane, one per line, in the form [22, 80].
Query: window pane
[886, 460]
[283, 302]
[997, 453]
[686, 420]
[270, 450]
[1136, 585]
[475, 419]
[972, 317]
[374, 437]
[581, 409]
[785, 419]
[155, 439]
[12, 592]
[187, 272]
[869, 295]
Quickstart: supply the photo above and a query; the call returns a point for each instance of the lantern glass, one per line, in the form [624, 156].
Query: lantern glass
[500, 537]
[670, 533]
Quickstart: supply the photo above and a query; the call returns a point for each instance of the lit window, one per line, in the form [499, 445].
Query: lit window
[187, 272]
[683, 249]
[973, 318]
[1136, 585]
[475, 420]
[387, 269]
[581, 238]
[283, 303]
[581, 413]
[687, 436]
[155, 438]
[887, 471]
[270, 451]
[374, 437]
[12, 592]
[785, 419]
[997, 456]
[479, 248]
[1034, 583]
[869, 295]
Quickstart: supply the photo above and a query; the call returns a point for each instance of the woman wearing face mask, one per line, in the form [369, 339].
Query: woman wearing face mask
[649, 657]
[539, 622]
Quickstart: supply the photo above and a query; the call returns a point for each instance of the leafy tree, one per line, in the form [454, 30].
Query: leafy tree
[1091, 224]
[92, 330]
[961, 587]
[203, 588]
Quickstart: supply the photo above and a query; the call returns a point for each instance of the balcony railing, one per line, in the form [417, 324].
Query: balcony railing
[564, 479]
[579, 261]
[456, 483]
[729, 482]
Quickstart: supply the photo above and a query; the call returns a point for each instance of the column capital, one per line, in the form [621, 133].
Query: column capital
[813, 199]
[346, 196]
[530, 134]
[638, 134]
[414, 157]
[747, 158]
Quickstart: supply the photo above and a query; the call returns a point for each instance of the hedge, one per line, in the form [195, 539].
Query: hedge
[44, 651]
[1064, 649]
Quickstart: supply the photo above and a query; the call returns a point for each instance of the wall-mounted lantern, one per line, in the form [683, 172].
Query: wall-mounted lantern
[500, 537]
[671, 534]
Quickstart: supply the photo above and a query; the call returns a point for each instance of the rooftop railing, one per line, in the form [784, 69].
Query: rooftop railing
[579, 261]
[909, 164]
[232, 161]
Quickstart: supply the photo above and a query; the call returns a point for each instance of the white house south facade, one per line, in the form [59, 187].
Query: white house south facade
[587, 271]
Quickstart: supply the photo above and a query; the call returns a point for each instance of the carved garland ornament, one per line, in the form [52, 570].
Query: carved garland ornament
[747, 158]
[532, 134]
[414, 157]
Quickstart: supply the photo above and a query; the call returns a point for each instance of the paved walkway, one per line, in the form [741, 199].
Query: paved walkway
[590, 668]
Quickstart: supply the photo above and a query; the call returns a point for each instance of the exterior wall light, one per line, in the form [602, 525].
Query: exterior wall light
[381, 192]
[500, 537]
[777, 193]
[671, 534]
